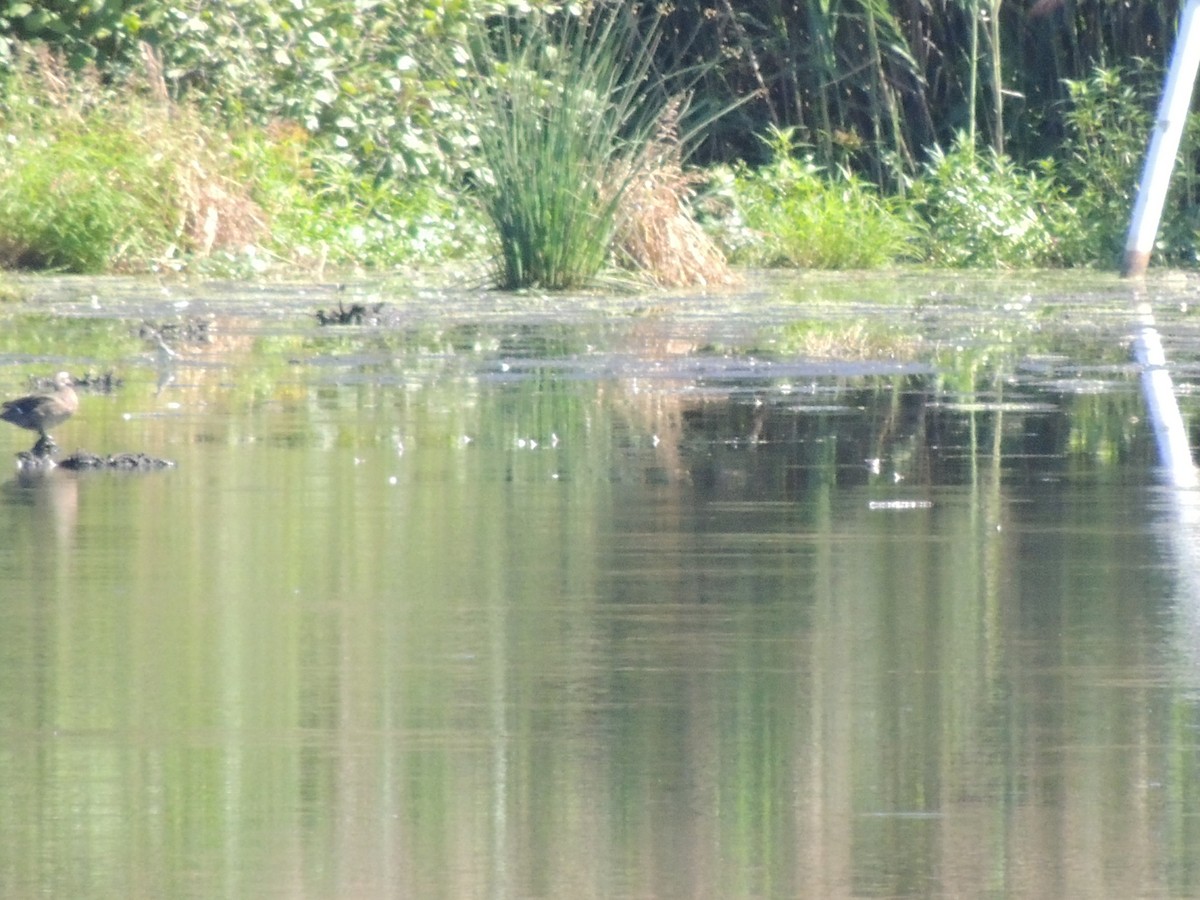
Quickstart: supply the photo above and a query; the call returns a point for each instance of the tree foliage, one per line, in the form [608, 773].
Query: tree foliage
[869, 84]
[356, 74]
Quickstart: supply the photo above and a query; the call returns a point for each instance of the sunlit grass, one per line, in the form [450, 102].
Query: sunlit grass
[100, 177]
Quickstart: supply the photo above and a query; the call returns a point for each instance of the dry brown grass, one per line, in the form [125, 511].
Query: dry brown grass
[216, 212]
[656, 233]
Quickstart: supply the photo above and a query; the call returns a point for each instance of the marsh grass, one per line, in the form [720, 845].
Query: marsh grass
[96, 177]
[562, 101]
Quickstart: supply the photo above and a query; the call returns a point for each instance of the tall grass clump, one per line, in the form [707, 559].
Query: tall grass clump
[792, 213]
[563, 101]
[96, 177]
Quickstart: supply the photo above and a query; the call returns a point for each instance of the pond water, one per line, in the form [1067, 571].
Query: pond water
[833, 587]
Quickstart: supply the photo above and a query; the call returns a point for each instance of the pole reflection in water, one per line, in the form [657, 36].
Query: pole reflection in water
[1161, 405]
[1181, 536]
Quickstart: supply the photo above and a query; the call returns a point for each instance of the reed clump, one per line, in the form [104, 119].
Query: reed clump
[565, 106]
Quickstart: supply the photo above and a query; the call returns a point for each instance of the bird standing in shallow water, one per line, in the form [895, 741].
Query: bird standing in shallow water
[41, 412]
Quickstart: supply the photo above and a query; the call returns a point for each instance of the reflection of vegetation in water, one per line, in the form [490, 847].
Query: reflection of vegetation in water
[861, 340]
[1108, 427]
[100, 340]
[551, 376]
[1019, 345]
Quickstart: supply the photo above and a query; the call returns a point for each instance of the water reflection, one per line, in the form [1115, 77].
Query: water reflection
[600, 613]
[52, 498]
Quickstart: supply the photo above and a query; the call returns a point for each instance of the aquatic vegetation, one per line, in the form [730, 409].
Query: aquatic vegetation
[984, 211]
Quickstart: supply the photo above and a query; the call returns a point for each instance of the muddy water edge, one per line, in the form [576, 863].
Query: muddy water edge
[825, 586]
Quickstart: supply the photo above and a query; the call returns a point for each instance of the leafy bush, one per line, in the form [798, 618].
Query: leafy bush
[97, 175]
[347, 72]
[354, 73]
[792, 213]
[347, 219]
[983, 210]
[1109, 123]
[84, 33]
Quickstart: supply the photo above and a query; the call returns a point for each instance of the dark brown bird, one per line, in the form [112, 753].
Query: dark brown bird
[41, 412]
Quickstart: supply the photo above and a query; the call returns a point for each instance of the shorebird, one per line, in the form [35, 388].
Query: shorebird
[41, 412]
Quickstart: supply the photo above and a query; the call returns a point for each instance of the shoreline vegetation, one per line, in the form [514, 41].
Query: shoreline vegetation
[574, 145]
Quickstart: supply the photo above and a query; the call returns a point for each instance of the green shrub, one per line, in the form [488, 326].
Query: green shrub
[85, 33]
[354, 73]
[99, 175]
[792, 213]
[342, 218]
[69, 203]
[1109, 124]
[982, 210]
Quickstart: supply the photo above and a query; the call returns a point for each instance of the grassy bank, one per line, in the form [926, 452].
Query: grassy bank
[105, 175]
[100, 176]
